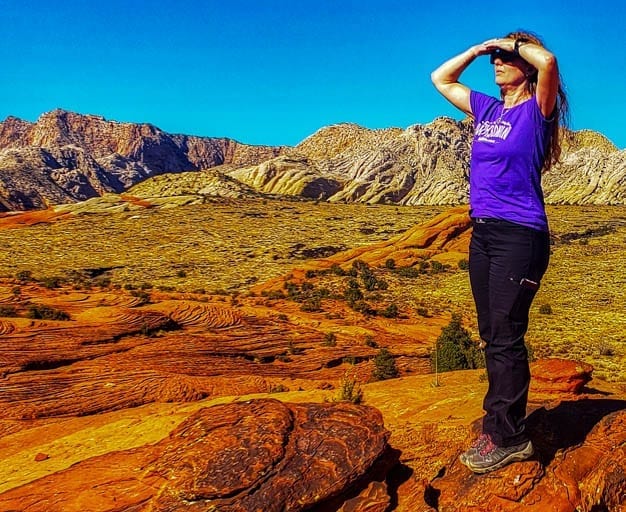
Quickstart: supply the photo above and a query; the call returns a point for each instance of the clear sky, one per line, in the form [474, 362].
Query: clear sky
[275, 71]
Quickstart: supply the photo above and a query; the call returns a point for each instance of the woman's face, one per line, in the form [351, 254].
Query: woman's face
[511, 72]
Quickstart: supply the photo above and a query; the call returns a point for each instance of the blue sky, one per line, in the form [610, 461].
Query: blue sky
[275, 71]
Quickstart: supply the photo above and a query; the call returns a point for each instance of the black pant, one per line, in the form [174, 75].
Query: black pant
[507, 262]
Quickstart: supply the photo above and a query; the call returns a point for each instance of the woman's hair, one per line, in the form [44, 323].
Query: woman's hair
[561, 109]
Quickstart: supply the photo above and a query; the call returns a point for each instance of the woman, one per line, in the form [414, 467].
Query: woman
[515, 139]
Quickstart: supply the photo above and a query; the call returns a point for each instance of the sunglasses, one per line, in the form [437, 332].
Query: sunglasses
[503, 55]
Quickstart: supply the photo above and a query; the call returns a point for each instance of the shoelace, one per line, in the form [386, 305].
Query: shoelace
[478, 443]
[488, 448]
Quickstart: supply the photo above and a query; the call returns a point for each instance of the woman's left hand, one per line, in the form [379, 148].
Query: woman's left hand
[505, 43]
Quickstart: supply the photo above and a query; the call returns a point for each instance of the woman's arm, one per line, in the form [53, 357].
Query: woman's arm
[547, 75]
[446, 77]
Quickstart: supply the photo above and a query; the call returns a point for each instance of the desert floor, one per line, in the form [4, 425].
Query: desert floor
[227, 247]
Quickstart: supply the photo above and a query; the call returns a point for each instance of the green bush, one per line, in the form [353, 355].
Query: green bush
[312, 305]
[52, 282]
[370, 342]
[46, 313]
[8, 311]
[24, 276]
[391, 311]
[463, 264]
[384, 365]
[545, 309]
[390, 263]
[337, 270]
[349, 390]
[454, 349]
[330, 340]
[410, 272]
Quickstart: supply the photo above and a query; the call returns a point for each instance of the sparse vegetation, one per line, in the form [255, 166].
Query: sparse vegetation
[391, 311]
[370, 342]
[8, 311]
[42, 312]
[330, 339]
[349, 390]
[545, 309]
[580, 284]
[384, 366]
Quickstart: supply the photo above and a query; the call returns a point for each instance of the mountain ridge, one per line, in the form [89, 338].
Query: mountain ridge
[66, 157]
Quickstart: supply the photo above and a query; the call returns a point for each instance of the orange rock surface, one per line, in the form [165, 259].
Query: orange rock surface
[163, 406]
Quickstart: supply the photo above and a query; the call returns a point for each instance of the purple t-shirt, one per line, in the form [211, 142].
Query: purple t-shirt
[508, 152]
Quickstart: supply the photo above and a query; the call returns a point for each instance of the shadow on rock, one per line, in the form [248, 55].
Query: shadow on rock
[567, 424]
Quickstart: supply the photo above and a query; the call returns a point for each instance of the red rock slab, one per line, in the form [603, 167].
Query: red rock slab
[559, 376]
[258, 455]
[579, 466]
[19, 220]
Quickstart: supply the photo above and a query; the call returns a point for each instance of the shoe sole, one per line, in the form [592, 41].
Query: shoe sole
[514, 457]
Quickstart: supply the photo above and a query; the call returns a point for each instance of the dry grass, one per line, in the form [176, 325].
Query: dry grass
[233, 245]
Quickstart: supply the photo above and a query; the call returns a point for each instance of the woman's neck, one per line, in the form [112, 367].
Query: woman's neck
[514, 95]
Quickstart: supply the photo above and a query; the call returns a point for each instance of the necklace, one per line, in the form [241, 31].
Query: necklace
[502, 112]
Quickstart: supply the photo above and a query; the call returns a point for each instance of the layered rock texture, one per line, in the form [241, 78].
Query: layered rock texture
[179, 401]
[66, 157]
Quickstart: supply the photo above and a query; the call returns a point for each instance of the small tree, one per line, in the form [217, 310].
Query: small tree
[454, 349]
[385, 365]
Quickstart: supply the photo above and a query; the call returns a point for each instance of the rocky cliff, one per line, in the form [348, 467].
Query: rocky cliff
[425, 164]
[67, 157]
[422, 165]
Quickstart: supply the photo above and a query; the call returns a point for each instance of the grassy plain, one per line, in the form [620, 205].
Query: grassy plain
[232, 245]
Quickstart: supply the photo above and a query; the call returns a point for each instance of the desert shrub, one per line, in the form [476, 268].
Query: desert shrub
[437, 267]
[330, 339]
[143, 296]
[545, 309]
[181, 273]
[8, 311]
[410, 272]
[390, 264]
[454, 349]
[24, 276]
[16, 291]
[52, 281]
[273, 294]
[41, 312]
[278, 388]
[370, 342]
[310, 274]
[391, 311]
[349, 360]
[421, 311]
[363, 307]
[349, 390]
[312, 305]
[129, 286]
[352, 295]
[337, 270]
[463, 264]
[103, 282]
[605, 349]
[384, 365]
